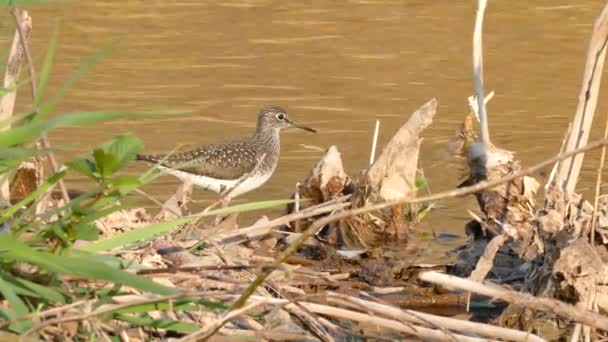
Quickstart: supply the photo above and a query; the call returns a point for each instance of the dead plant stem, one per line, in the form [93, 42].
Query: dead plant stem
[598, 184]
[34, 85]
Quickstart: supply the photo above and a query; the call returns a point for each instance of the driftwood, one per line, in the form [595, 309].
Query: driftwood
[391, 176]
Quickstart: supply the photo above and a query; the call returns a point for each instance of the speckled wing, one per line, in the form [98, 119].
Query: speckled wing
[221, 161]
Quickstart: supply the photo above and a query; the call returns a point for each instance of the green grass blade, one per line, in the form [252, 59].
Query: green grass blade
[240, 208]
[78, 266]
[27, 288]
[185, 304]
[45, 71]
[18, 306]
[133, 236]
[31, 131]
[164, 324]
[84, 68]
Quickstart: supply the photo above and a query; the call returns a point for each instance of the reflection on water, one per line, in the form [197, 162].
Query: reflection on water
[336, 66]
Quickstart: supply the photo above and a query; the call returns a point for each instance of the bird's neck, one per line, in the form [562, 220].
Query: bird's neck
[265, 136]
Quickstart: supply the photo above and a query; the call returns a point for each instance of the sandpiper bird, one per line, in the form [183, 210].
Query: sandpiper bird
[235, 167]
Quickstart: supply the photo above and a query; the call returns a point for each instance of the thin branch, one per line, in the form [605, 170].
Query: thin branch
[598, 184]
[548, 305]
[206, 332]
[568, 171]
[478, 73]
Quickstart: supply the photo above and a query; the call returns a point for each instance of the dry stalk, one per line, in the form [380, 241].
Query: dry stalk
[486, 262]
[567, 174]
[416, 330]
[524, 299]
[453, 324]
[598, 184]
[372, 155]
[34, 87]
[11, 76]
[478, 73]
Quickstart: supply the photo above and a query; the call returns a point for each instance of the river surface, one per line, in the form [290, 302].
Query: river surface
[334, 65]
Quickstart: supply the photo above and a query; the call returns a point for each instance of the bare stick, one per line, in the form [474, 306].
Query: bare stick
[478, 73]
[474, 106]
[11, 76]
[373, 319]
[34, 85]
[518, 298]
[458, 325]
[206, 332]
[598, 184]
[374, 142]
[567, 174]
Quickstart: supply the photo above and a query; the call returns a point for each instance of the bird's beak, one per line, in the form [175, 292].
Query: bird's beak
[292, 124]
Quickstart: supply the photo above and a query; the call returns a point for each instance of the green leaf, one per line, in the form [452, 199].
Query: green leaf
[86, 231]
[36, 290]
[18, 306]
[420, 182]
[185, 304]
[82, 266]
[133, 236]
[83, 166]
[123, 150]
[104, 162]
[126, 184]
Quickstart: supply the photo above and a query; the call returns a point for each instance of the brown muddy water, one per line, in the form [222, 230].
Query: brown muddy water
[334, 65]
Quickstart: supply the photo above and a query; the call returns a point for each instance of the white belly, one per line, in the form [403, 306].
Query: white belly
[220, 185]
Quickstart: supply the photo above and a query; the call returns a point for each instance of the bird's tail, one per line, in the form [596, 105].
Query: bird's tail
[148, 158]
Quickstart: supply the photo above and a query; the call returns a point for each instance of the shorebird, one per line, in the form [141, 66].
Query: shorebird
[235, 167]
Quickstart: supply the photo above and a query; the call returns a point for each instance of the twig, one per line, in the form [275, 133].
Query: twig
[478, 73]
[195, 269]
[598, 184]
[453, 324]
[206, 332]
[416, 330]
[485, 263]
[523, 299]
[155, 201]
[374, 142]
[34, 85]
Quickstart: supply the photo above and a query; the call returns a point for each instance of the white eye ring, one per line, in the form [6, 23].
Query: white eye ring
[280, 116]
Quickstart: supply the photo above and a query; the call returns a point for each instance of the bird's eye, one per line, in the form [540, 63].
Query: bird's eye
[280, 116]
